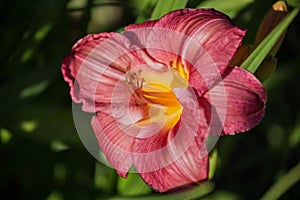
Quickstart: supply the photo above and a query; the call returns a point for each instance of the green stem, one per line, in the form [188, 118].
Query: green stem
[283, 184]
[263, 49]
[197, 192]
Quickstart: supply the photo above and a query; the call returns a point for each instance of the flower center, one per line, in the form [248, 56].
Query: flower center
[156, 91]
[165, 107]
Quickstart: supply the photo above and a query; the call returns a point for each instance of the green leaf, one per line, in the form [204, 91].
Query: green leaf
[55, 196]
[295, 136]
[222, 194]
[293, 3]
[132, 185]
[140, 6]
[57, 146]
[213, 162]
[263, 49]
[283, 184]
[229, 7]
[5, 135]
[179, 4]
[163, 7]
[105, 178]
[197, 192]
[143, 9]
[34, 89]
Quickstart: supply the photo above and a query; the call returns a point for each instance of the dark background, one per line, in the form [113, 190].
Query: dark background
[41, 155]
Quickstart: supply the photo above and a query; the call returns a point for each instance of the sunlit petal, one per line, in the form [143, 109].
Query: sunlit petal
[177, 157]
[92, 69]
[245, 101]
[188, 33]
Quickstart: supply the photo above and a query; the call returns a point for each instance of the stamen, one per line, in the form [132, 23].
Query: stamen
[128, 79]
[180, 68]
[134, 77]
[156, 95]
[135, 83]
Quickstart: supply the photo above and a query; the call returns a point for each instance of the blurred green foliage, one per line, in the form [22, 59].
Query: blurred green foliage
[41, 155]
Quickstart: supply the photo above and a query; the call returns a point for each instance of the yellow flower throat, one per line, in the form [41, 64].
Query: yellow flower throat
[156, 92]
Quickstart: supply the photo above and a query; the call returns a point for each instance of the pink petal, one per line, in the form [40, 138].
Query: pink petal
[245, 101]
[177, 157]
[204, 38]
[118, 127]
[115, 140]
[96, 65]
[188, 169]
[115, 144]
[72, 63]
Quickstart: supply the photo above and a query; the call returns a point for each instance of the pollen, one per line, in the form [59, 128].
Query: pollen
[156, 90]
[134, 78]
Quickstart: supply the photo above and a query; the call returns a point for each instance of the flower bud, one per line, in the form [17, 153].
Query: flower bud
[241, 55]
[266, 68]
[274, 15]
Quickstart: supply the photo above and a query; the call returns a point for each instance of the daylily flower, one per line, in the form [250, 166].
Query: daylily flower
[161, 89]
